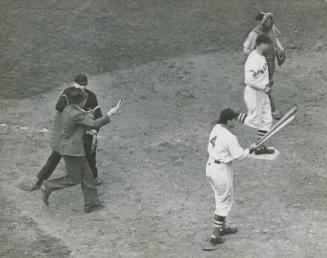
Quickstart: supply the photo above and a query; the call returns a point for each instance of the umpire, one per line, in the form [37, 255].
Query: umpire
[90, 136]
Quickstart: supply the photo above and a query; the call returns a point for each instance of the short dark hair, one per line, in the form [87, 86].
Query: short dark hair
[262, 39]
[81, 79]
[76, 96]
[226, 115]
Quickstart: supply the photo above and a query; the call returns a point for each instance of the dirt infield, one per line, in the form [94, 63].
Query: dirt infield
[152, 157]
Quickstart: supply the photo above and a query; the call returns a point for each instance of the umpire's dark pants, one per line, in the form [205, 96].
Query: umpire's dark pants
[77, 171]
[54, 159]
[90, 155]
[47, 170]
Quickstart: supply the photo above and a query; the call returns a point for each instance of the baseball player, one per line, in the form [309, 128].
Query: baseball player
[266, 26]
[256, 74]
[223, 148]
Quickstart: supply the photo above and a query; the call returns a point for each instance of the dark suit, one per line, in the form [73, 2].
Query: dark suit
[75, 122]
[55, 135]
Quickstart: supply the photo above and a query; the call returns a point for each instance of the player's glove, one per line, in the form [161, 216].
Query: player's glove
[281, 56]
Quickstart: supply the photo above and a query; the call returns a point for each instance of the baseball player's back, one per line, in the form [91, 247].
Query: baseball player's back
[223, 145]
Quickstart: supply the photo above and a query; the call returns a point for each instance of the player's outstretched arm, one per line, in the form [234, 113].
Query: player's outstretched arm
[115, 109]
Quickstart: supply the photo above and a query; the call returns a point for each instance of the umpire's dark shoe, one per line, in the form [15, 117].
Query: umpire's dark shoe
[91, 208]
[45, 195]
[263, 150]
[35, 186]
[216, 237]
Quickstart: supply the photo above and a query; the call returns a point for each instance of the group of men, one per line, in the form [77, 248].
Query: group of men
[78, 119]
[73, 137]
[262, 47]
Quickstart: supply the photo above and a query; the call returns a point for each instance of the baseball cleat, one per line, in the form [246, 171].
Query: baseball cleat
[215, 240]
[216, 237]
[263, 150]
[228, 230]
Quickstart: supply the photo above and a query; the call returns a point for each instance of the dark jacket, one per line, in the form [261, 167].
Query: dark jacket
[91, 101]
[75, 121]
[62, 102]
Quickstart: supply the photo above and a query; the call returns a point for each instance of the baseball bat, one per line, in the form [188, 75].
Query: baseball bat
[272, 133]
[289, 113]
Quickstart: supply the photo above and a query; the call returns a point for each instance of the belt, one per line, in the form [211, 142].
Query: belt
[218, 162]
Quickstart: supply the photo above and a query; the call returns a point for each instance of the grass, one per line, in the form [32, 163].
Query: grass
[45, 43]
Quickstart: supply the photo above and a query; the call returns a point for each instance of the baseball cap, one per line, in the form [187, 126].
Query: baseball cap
[226, 115]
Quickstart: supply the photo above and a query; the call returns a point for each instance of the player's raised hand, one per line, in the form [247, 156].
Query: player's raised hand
[115, 109]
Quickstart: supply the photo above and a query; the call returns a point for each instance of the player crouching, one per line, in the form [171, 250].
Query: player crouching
[223, 148]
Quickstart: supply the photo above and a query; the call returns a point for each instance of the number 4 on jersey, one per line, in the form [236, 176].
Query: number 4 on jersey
[212, 141]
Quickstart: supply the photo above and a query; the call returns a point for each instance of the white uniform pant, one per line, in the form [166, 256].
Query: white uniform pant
[259, 111]
[220, 177]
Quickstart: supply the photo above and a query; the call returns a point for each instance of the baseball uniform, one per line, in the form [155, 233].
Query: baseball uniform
[223, 148]
[257, 102]
[250, 44]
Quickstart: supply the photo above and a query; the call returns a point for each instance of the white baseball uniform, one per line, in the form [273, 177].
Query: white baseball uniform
[256, 101]
[223, 148]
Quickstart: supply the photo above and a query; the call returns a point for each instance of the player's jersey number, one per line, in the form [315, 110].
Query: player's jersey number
[213, 141]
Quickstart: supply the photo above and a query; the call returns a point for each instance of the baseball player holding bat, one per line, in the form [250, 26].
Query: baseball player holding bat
[256, 92]
[275, 50]
[223, 148]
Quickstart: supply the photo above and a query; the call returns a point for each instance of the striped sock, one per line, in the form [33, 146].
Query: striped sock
[261, 133]
[219, 222]
[241, 117]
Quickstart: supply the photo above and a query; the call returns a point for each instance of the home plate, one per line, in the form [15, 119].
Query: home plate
[266, 156]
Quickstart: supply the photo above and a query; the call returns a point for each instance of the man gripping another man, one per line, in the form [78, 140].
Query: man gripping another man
[75, 122]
